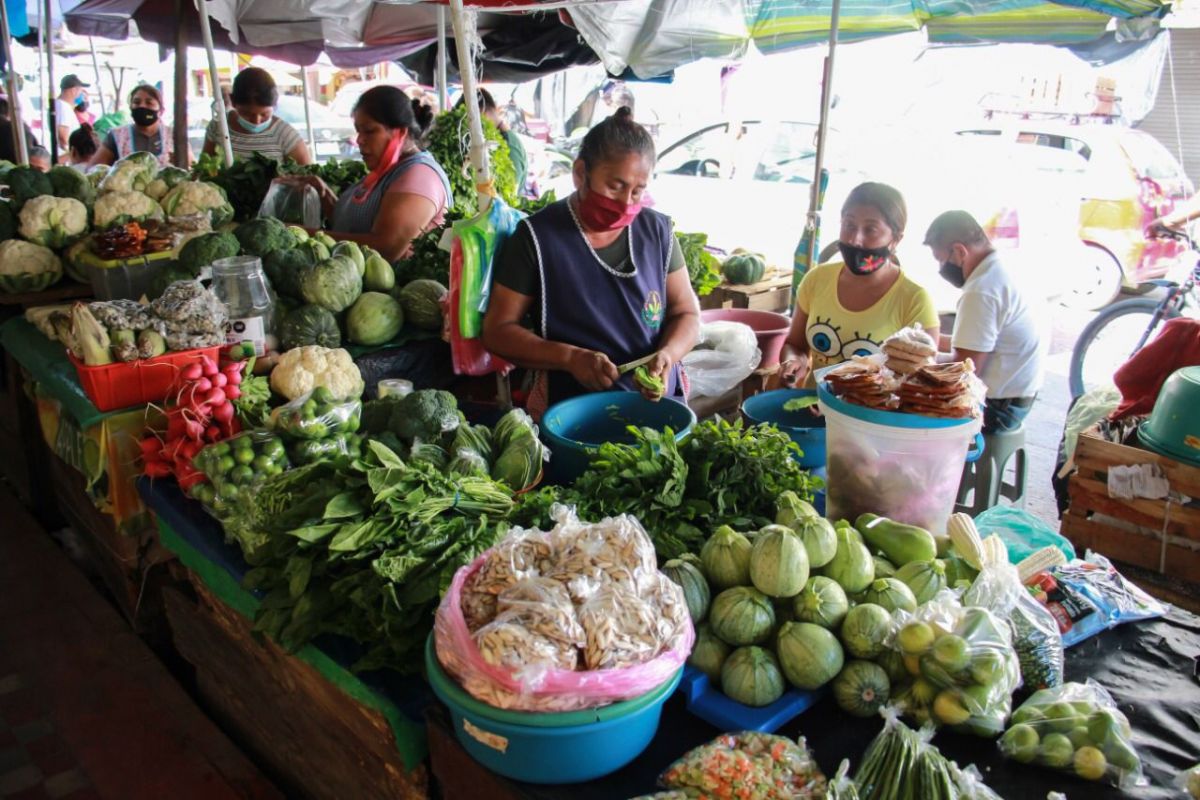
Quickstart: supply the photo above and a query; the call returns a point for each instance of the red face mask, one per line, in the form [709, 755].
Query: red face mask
[391, 154]
[603, 214]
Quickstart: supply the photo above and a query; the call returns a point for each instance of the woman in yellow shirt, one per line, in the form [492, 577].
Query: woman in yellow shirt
[849, 309]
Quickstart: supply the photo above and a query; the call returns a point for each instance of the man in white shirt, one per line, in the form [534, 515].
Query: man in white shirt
[69, 90]
[1004, 330]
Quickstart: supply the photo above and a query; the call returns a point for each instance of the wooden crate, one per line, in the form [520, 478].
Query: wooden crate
[1132, 531]
[770, 294]
[317, 741]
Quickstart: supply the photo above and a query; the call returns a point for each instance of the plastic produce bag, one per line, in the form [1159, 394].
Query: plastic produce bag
[476, 242]
[233, 467]
[519, 627]
[1023, 533]
[292, 203]
[1090, 596]
[1075, 728]
[748, 764]
[310, 451]
[724, 357]
[316, 415]
[963, 665]
[1036, 637]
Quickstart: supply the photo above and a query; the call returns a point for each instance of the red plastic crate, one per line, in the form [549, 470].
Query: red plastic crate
[136, 383]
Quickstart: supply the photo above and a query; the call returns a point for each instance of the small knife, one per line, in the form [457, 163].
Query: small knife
[632, 365]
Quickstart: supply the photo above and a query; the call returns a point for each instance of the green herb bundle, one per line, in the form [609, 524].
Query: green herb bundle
[704, 269]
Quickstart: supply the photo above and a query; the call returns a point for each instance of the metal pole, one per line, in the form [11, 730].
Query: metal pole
[99, 82]
[50, 79]
[179, 145]
[14, 104]
[218, 105]
[312, 140]
[822, 127]
[43, 90]
[439, 78]
[466, 72]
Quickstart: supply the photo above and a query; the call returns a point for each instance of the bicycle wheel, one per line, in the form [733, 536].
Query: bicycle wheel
[1108, 341]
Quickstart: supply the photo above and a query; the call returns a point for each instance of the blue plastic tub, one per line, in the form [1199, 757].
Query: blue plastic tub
[574, 429]
[707, 702]
[569, 747]
[806, 428]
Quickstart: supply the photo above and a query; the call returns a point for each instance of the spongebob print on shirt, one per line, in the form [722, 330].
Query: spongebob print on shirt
[834, 345]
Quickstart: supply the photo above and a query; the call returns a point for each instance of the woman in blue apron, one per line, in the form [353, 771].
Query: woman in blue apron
[601, 278]
[405, 193]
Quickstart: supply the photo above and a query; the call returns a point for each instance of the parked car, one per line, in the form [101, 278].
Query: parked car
[751, 189]
[335, 136]
[1123, 179]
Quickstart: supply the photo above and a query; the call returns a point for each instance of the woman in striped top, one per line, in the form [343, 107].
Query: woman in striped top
[253, 126]
[406, 191]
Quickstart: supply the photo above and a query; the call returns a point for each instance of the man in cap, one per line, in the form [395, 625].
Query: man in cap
[70, 88]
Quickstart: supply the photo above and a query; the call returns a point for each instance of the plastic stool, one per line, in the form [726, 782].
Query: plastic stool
[983, 481]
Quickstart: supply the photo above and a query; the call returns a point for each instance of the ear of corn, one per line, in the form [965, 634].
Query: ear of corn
[1040, 561]
[965, 538]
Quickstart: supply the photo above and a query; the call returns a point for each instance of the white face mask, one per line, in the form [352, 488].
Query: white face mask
[250, 127]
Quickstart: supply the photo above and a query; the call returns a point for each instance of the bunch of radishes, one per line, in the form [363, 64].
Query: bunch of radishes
[199, 411]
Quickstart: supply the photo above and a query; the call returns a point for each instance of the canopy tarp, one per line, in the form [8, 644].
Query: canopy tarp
[653, 37]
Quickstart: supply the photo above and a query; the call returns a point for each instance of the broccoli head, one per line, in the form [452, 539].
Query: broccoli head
[264, 235]
[427, 415]
[72, 183]
[26, 183]
[284, 267]
[201, 251]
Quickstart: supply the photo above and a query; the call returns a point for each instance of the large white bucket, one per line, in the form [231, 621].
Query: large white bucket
[903, 466]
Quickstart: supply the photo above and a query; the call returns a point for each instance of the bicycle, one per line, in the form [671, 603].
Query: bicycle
[1101, 347]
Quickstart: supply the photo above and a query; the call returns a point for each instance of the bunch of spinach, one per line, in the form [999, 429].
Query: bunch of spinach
[704, 269]
[719, 474]
[365, 550]
[245, 182]
[338, 175]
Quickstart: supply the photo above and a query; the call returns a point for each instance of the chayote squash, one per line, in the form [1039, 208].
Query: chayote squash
[892, 594]
[778, 562]
[924, 578]
[809, 654]
[333, 284]
[741, 616]
[852, 566]
[751, 676]
[822, 602]
[726, 558]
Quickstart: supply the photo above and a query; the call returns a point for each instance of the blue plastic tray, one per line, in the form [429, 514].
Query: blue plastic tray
[709, 704]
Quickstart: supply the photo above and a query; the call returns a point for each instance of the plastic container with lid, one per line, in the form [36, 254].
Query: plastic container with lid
[239, 283]
[903, 466]
[124, 278]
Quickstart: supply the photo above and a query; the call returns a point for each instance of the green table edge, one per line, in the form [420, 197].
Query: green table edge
[409, 736]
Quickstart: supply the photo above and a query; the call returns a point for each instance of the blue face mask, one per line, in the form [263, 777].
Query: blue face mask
[252, 128]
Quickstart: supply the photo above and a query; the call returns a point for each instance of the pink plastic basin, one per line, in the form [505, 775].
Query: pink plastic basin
[770, 328]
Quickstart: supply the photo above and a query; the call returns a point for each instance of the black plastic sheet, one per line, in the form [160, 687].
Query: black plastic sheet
[1150, 668]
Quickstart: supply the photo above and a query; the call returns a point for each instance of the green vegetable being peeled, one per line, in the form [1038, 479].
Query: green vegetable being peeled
[654, 385]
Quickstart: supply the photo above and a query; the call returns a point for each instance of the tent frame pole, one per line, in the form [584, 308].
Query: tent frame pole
[99, 82]
[214, 78]
[14, 103]
[814, 203]
[443, 91]
[312, 139]
[180, 144]
[53, 111]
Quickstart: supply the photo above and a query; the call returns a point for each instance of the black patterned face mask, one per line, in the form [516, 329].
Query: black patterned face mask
[864, 260]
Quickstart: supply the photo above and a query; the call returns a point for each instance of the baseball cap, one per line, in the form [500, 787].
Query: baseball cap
[70, 82]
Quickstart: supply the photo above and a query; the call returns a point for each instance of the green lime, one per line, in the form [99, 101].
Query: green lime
[219, 449]
[949, 709]
[242, 442]
[1062, 717]
[241, 474]
[915, 638]
[952, 653]
[1090, 763]
[273, 449]
[225, 463]
[1057, 751]
[1079, 737]
[1028, 714]
[262, 462]
[244, 456]
[1104, 727]
[988, 668]
[1121, 755]
[1020, 743]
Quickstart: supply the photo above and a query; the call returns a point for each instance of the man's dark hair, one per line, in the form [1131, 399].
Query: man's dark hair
[955, 226]
[254, 87]
[614, 138]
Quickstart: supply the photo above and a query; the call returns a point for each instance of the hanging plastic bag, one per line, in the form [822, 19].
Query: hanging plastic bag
[963, 666]
[476, 242]
[724, 357]
[1023, 533]
[292, 203]
[1036, 637]
[1075, 728]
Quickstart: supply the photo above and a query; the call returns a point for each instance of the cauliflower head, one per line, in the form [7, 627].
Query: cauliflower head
[53, 222]
[302, 369]
[27, 267]
[168, 178]
[133, 173]
[118, 208]
[198, 197]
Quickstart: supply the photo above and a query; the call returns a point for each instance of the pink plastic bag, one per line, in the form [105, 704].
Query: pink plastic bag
[545, 687]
